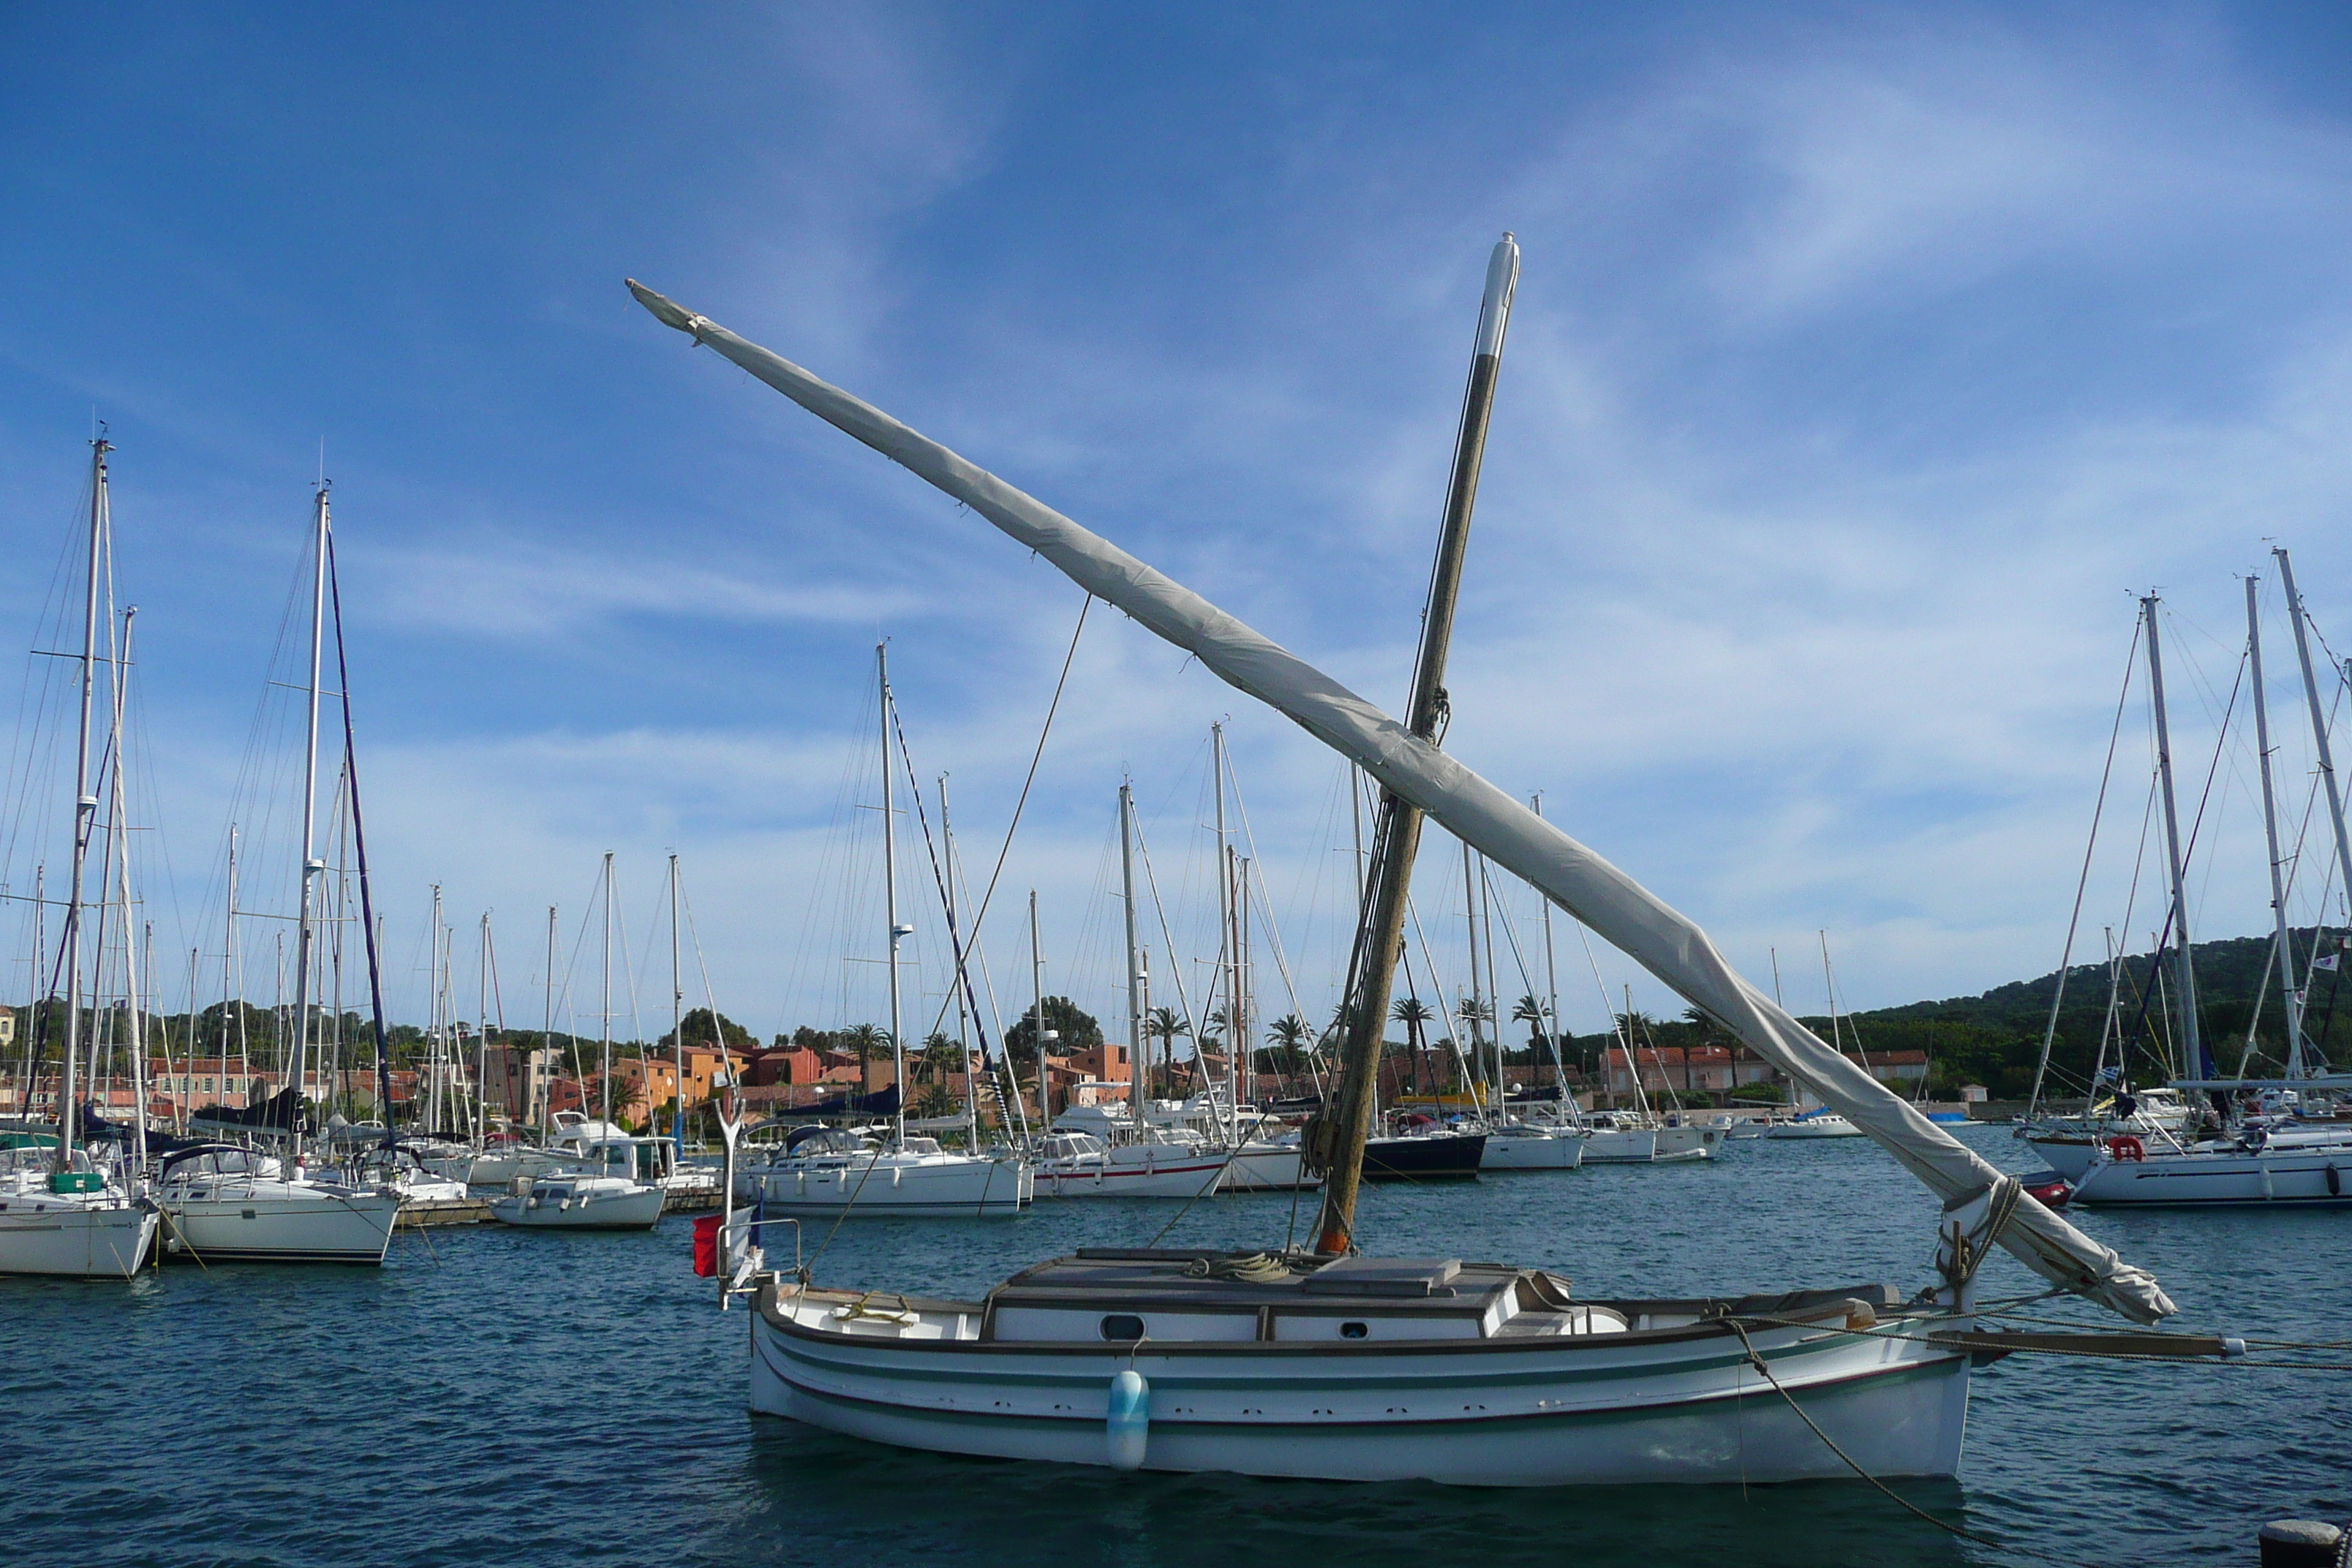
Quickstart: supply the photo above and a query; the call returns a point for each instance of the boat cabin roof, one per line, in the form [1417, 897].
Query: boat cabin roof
[1193, 1279]
[1146, 1277]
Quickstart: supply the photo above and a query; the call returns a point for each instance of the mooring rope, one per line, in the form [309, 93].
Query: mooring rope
[1757, 1360]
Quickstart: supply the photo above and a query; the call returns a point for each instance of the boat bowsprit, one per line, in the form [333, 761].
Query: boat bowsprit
[1370, 1369]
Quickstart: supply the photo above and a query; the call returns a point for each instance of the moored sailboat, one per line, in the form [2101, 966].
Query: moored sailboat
[61, 1214]
[222, 1202]
[1330, 1364]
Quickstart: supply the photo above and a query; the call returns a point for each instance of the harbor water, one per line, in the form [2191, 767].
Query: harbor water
[497, 1396]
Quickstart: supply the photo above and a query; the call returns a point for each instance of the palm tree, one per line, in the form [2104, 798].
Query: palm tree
[1534, 1014]
[1290, 1034]
[1413, 1013]
[865, 1041]
[941, 1055]
[1164, 1026]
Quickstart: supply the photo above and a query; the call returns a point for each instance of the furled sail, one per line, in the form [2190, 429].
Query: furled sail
[1631, 918]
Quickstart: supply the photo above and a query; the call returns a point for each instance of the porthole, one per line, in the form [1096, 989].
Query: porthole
[1355, 1331]
[1122, 1326]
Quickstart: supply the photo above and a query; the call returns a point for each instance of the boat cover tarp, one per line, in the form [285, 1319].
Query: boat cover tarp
[883, 1101]
[1636, 922]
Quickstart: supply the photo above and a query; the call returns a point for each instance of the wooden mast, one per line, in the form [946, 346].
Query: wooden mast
[1396, 837]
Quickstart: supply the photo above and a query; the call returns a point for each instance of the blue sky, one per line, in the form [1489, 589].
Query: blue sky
[1865, 361]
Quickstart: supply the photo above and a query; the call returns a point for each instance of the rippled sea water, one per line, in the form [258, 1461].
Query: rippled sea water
[494, 1396]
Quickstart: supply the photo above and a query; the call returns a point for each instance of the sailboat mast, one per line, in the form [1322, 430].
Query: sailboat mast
[311, 864]
[956, 979]
[85, 809]
[1037, 1018]
[2192, 1053]
[2270, 835]
[1244, 1058]
[121, 835]
[1551, 977]
[40, 1000]
[482, 1042]
[1478, 1007]
[605, 1006]
[1135, 1092]
[547, 1028]
[890, 903]
[677, 1019]
[437, 1048]
[1397, 837]
[2318, 722]
[1228, 944]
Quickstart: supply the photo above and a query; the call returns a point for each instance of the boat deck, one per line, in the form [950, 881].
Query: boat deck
[1168, 1298]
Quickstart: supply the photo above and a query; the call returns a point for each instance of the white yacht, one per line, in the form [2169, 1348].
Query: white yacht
[399, 1168]
[1815, 1124]
[1622, 1137]
[2293, 1166]
[570, 1202]
[834, 1173]
[58, 1212]
[224, 1203]
[1075, 1164]
[2070, 1143]
[73, 1221]
[1525, 1146]
[1096, 1152]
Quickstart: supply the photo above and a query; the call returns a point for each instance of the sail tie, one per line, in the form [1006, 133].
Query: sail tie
[1972, 1223]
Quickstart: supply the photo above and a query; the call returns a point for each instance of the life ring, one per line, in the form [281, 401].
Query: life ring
[2127, 1147]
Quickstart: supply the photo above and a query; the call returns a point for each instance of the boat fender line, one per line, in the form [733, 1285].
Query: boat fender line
[2335, 1182]
[1127, 1427]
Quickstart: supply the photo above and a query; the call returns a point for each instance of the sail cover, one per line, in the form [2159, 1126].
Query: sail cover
[1636, 922]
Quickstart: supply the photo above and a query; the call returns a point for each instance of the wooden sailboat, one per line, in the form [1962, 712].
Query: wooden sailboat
[1326, 1364]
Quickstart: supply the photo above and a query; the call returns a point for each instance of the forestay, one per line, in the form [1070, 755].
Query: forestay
[1639, 923]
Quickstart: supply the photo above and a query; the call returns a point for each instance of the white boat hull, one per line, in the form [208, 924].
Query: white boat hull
[278, 1221]
[1815, 1127]
[2068, 1155]
[1564, 1413]
[637, 1210]
[1519, 1152]
[1265, 1168]
[949, 1189]
[1133, 1170]
[1651, 1145]
[2288, 1178]
[56, 1236]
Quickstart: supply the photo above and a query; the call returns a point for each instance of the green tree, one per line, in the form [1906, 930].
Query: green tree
[706, 1030]
[1414, 1015]
[942, 1056]
[1164, 1026]
[1076, 1028]
[866, 1042]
